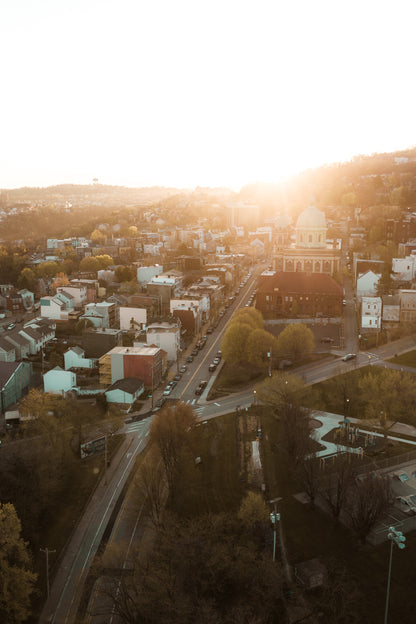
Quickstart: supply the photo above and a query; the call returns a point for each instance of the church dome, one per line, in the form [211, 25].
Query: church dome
[311, 218]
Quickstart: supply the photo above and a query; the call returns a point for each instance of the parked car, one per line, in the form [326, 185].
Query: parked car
[216, 361]
[219, 354]
[11, 326]
[199, 390]
[177, 377]
[167, 390]
[194, 351]
[189, 359]
[160, 402]
[212, 367]
[183, 368]
[327, 339]
[349, 356]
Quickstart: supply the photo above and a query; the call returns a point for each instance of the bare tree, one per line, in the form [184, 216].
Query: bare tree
[150, 486]
[366, 503]
[170, 433]
[336, 487]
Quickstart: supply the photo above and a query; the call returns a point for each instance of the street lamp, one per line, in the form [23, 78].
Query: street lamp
[397, 538]
[254, 401]
[274, 517]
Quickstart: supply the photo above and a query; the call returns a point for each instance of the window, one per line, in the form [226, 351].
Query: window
[310, 238]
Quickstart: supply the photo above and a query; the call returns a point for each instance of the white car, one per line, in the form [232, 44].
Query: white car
[349, 356]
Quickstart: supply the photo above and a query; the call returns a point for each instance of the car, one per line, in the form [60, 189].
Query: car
[212, 367]
[327, 339]
[349, 356]
[177, 377]
[216, 361]
[11, 326]
[344, 302]
[167, 390]
[172, 383]
[199, 391]
[219, 354]
[160, 402]
[189, 359]
[183, 368]
[194, 352]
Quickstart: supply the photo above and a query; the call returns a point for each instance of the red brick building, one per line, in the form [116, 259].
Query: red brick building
[289, 294]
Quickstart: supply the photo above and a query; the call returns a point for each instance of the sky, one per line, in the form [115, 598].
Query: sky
[189, 93]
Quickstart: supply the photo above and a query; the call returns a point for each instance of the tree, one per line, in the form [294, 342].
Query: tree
[150, 486]
[282, 391]
[27, 279]
[367, 502]
[104, 261]
[17, 579]
[250, 316]
[124, 274]
[336, 488]
[233, 345]
[295, 342]
[389, 396]
[169, 431]
[61, 279]
[97, 237]
[253, 511]
[259, 344]
[89, 264]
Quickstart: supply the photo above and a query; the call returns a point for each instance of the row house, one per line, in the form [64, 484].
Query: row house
[77, 293]
[371, 312]
[166, 336]
[407, 300]
[101, 314]
[190, 314]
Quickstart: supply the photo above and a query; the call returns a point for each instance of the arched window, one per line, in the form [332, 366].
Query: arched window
[310, 238]
[308, 266]
[317, 267]
[298, 266]
[327, 266]
[289, 265]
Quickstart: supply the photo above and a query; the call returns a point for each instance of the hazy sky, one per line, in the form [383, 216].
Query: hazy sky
[191, 92]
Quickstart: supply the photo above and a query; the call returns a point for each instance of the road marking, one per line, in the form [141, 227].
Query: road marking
[218, 404]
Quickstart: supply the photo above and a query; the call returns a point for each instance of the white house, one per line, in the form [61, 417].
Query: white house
[58, 381]
[371, 308]
[125, 391]
[167, 336]
[74, 358]
[367, 284]
[78, 293]
[132, 318]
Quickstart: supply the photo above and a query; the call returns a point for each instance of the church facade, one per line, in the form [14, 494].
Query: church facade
[311, 253]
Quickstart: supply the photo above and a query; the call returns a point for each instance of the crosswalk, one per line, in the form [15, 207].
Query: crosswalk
[140, 426]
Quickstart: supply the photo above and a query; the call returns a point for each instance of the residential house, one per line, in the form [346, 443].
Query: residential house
[125, 391]
[167, 336]
[98, 341]
[147, 363]
[367, 284]
[371, 311]
[146, 273]
[59, 381]
[190, 314]
[77, 293]
[14, 302]
[101, 314]
[28, 298]
[75, 358]
[21, 345]
[391, 309]
[407, 305]
[7, 351]
[15, 379]
[132, 318]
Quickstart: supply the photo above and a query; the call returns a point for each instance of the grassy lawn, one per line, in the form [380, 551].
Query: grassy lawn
[406, 359]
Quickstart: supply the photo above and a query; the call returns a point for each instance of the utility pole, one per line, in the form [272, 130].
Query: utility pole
[47, 551]
[274, 517]
[105, 460]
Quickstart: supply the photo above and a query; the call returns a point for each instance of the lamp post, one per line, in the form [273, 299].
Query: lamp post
[274, 517]
[397, 538]
[254, 400]
[269, 355]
